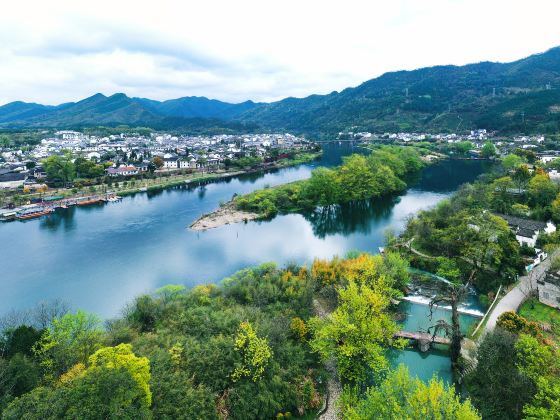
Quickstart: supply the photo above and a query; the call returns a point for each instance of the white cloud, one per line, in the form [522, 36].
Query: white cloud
[58, 51]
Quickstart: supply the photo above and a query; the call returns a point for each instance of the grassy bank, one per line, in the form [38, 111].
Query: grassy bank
[535, 311]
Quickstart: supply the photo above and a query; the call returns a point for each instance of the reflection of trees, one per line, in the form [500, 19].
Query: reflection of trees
[152, 193]
[60, 218]
[449, 174]
[351, 217]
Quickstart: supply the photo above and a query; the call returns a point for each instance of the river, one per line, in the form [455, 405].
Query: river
[98, 258]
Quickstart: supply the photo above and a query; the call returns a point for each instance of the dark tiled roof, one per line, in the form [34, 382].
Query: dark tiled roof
[552, 277]
[521, 224]
[526, 233]
[12, 176]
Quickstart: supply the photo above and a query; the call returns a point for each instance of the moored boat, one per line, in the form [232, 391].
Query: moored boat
[8, 215]
[89, 200]
[33, 213]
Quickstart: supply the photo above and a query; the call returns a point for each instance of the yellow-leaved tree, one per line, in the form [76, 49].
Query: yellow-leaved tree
[255, 352]
[121, 356]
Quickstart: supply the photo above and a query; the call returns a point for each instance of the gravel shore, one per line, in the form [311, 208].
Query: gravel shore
[225, 215]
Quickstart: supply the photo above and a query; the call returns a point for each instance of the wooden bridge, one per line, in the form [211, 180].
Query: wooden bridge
[418, 336]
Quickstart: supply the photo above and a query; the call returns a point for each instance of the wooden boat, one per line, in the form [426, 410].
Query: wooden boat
[89, 201]
[33, 214]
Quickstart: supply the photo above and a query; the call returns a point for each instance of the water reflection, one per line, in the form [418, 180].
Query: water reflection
[349, 218]
[59, 219]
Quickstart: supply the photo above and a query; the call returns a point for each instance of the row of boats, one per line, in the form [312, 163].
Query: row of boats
[47, 206]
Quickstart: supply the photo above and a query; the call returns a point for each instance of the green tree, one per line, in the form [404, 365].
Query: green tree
[512, 161]
[540, 363]
[4, 141]
[357, 332]
[19, 340]
[88, 169]
[357, 180]
[323, 187]
[497, 388]
[176, 396]
[101, 393]
[521, 177]
[401, 397]
[502, 198]
[542, 191]
[463, 147]
[18, 375]
[71, 339]
[60, 167]
[488, 150]
[555, 208]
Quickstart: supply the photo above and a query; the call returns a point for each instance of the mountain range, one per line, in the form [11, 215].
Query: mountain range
[520, 96]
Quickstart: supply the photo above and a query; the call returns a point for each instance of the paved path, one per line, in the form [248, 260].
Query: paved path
[334, 389]
[516, 296]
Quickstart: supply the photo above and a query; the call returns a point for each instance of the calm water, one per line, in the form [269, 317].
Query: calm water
[98, 258]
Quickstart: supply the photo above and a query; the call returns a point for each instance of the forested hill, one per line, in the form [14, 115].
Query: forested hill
[522, 96]
[510, 97]
[194, 114]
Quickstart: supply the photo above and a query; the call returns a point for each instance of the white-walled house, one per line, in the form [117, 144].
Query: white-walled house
[185, 163]
[171, 163]
[526, 230]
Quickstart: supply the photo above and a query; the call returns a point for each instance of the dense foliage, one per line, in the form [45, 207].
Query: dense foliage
[517, 376]
[401, 397]
[360, 177]
[65, 168]
[480, 245]
[252, 347]
[467, 227]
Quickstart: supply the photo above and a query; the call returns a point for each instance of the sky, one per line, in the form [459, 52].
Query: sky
[59, 51]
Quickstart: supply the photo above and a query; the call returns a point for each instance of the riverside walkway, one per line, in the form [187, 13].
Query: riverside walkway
[515, 297]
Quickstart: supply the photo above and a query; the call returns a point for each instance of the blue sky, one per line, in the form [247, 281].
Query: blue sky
[57, 51]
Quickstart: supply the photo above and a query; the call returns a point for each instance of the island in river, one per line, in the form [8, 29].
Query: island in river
[385, 171]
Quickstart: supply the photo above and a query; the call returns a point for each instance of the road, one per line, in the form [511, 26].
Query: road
[515, 297]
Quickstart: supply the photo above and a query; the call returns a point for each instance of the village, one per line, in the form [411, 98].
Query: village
[132, 154]
[72, 168]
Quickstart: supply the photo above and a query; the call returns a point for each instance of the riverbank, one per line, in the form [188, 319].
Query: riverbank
[166, 180]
